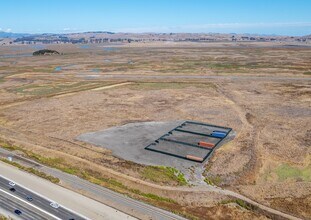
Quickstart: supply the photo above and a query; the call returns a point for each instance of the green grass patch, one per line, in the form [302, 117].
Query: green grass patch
[286, 171]
[2, 78]
[119, 187]
[224, 66]
[9, 147]
[33, 171]
[56, 88]
[169, 85]
[307, 73]
[2, 217]
[162, 174]
[43, 70]
[239, 202]
[213, 180]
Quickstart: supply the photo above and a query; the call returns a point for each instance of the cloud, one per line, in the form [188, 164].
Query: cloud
[8, 30]
[248, 25]
[67, 29]
[145, 29]
[215, 27]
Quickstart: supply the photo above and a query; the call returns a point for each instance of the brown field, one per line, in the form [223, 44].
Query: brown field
[43, 110]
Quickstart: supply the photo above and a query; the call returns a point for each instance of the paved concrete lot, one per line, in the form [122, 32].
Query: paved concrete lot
[191, 138]
[181, 150]
[129, 141]
[202, 129]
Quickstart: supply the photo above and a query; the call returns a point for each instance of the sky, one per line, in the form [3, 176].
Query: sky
[280, 17]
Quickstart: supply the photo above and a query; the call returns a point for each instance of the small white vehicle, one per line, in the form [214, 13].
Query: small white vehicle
[12, 183]
[54, 205]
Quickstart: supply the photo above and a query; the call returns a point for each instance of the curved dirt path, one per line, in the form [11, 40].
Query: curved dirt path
[209, 188]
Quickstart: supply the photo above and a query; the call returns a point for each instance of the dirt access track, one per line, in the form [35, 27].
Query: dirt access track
[266, 103]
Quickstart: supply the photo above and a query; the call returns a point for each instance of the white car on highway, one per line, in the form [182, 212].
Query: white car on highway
[12, 183]
[54, 205]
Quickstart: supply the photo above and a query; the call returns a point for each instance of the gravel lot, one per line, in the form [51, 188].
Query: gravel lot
[129, 142]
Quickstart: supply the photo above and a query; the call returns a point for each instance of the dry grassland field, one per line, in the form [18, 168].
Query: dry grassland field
[261, 91]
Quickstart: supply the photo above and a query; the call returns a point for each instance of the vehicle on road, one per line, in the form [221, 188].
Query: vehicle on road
[29, 198]
[54, 205]
[11, 183]
[17, 212]
[12, 189]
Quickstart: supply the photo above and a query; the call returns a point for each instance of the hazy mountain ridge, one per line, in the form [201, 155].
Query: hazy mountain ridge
[4, 34]
[106, 36]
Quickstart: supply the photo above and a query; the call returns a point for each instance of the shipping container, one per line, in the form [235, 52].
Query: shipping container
[206, 144]
[220, 135]
[190, 157]
[223, 132]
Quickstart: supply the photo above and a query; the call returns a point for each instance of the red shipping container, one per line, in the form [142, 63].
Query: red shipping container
[206, 144]
[190, 157]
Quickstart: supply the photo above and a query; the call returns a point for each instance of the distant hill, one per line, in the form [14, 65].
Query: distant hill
[99, 32]
[111, 37]
[12, 35]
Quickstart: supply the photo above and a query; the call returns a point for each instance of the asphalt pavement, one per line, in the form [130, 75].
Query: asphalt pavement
[86, 206]
[38, 208]
[141, 210]
[10, 204]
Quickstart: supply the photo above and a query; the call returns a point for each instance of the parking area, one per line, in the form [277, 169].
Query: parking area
[194, 141]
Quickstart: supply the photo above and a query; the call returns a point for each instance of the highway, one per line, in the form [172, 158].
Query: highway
[121, 202]
[69, 201]
[17, 200]
[149, 212]
[9, 203]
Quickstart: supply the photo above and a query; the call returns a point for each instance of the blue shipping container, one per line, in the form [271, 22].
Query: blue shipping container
[223, 132]
[220, 135]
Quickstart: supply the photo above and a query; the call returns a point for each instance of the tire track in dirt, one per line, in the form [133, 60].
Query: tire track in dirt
[249, 132]
[63, 94]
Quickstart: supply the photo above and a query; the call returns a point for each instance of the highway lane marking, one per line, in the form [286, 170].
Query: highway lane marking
[39, 195]
[7, 203]
[30, 204]
[4, 209]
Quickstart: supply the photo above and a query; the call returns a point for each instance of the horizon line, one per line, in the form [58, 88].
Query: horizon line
[155, 32]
